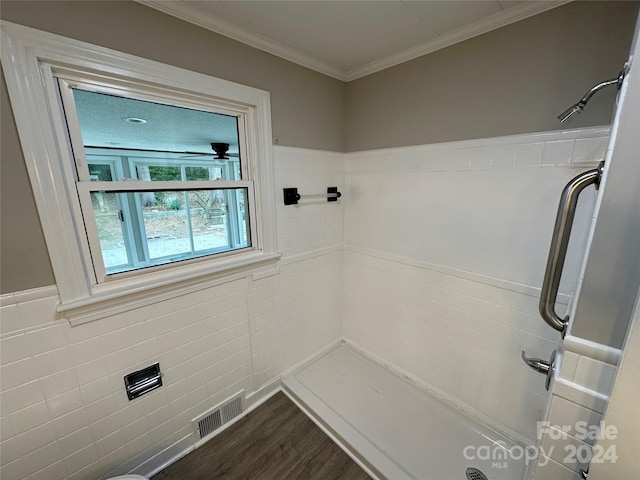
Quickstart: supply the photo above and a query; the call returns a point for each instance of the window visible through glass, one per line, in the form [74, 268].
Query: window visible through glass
[131, 139]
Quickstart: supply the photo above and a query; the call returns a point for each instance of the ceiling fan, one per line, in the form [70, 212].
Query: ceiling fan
[221, 152]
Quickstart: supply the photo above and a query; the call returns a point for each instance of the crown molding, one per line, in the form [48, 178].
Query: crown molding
[187, 12]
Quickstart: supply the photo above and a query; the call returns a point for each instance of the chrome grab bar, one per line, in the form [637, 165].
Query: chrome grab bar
[559, 244]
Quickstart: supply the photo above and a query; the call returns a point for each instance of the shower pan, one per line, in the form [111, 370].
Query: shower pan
[397, 430]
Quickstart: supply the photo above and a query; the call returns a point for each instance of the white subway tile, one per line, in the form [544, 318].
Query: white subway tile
[529, 154]
[595, 375]
[21, 397]
[37, 312]
[133, 430]
[83, 332]
[17, 469]
[503, 156]
[42, 457]
[29, 418]
[589, 150]
[70, 422]
[93, 470]
[109, 443]
[58, 383]
[101, 408]
[36, 438]
[53, 471]
[10, 320]
[65, 403]
[96, 390]
[557, 152]
[91, 371]
[53, 361]
[17, 373]
[568, 365]
[49, 338]
[565, 449]
[548, 469]
[106, 425]
[564, 413]
[86, 350]
[14, 348]
[81, 458]
[9, 450]
[75, 441]
[122, 360]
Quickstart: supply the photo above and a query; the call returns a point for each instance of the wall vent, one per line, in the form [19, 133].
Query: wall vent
[216, 417]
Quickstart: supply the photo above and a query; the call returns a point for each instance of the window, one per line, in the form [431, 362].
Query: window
[150, 180]
[203, 207]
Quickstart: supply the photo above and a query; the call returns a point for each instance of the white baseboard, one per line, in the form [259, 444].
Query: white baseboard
[165, 458]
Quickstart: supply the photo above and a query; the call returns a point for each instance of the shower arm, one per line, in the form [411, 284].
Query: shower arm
[579, 107]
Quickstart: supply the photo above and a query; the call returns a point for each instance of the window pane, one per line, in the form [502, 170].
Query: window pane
[107, 210]
[101, 172]
[167, 226]
[173, 136]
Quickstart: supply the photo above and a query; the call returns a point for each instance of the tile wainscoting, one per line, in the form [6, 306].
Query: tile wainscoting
[65, 413]
[448, 304]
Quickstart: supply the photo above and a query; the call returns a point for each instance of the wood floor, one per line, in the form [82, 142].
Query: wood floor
[275, 441]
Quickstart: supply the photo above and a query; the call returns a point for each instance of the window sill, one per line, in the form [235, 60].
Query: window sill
[128, 294]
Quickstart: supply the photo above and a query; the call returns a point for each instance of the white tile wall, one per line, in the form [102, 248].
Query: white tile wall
[445, 251]
[64, 411]
[485, 206]
[578, 394]
[548, 469]
[314, 223]
[74, 414]
[459, 336]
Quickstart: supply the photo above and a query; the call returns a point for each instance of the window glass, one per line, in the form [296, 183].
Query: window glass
[127, 139]
[181, 225]
[171, 134]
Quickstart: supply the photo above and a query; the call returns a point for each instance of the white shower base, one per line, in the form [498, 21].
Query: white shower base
[395, 429]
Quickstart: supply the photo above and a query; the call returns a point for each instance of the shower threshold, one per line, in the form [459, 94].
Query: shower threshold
[394, 429]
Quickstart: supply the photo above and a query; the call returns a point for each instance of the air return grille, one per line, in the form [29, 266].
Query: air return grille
[213, 419]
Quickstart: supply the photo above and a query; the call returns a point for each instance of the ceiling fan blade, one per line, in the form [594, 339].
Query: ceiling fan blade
[201, 155]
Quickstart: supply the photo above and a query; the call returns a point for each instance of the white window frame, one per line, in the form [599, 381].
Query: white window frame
[85, 186]
[30, 60]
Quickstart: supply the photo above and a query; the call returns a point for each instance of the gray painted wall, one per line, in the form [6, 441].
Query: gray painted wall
[25, 260]
[512, 80]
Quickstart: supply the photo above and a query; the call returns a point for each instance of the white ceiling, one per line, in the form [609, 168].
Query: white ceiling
[351, 39]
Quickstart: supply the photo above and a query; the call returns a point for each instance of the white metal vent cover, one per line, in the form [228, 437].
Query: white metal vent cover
[214, 418]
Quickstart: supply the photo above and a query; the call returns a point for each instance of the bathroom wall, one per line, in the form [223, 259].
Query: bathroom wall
[64, 411]
[512, 80]
[307, 107]
[445, 249]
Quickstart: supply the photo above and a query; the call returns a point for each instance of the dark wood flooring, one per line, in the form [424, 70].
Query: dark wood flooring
[275, 441]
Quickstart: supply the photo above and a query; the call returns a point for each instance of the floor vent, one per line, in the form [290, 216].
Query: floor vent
[216, 417]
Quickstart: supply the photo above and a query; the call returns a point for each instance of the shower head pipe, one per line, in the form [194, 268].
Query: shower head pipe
[579, 107]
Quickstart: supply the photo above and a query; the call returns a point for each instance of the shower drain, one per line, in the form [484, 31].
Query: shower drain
[475, 474]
